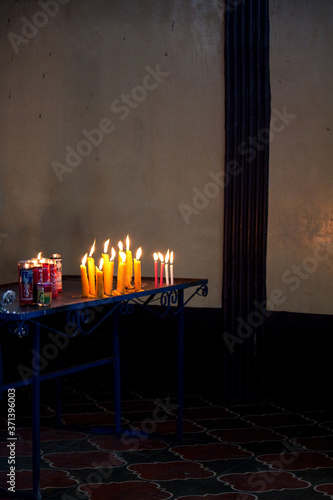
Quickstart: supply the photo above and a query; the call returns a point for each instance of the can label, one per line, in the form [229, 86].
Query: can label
[44, 294]
[46, 273]
[37, 279]
[26, 286]
[59, 274]
[54, 280]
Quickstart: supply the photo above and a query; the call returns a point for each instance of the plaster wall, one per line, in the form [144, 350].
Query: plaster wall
[300, 239]
[112, 123]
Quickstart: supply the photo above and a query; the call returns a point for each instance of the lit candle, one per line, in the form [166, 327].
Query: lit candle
[99, 279]
[107, 270]
[91, 271]
[161, 268]
[121, 274]
[129, 265]
[113, 254]
[171, 268]
[120, 249]
[84, 277]
[155, 265]
[137, 270]
[166, 268]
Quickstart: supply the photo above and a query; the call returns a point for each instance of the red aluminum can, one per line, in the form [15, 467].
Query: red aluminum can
[26, 284]
[46, 271]
[56, 257]
[37, 279]
[54, 279]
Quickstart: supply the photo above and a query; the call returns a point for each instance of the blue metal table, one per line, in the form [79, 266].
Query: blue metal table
[31, 320]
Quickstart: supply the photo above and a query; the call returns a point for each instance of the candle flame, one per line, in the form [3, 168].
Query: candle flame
[127, 243]
[123, 256]
[113, 254]
[84, 259]
[106, 245]
[39, 256]
[101, 262]
[167, 257]
[160, 256]
[120, 246]
[138, 253]
[92, 248]
[155, 257]
[171, 258]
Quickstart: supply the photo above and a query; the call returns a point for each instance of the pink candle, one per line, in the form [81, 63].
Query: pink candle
[162, 268]
[155, 265]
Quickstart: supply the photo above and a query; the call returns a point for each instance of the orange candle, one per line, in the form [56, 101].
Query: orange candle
[120, 249]
[84, 277]
[107, 270]
[91, 271]
[113, 254]
[99, 279]
[137, 271]
[129, 265]
[121, 273]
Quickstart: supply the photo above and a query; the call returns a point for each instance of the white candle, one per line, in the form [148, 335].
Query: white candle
[167, 268]
[171, 268]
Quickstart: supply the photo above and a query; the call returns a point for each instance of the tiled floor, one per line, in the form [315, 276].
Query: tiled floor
[229, 452]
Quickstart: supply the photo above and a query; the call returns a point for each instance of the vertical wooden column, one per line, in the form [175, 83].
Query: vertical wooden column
[247, 108]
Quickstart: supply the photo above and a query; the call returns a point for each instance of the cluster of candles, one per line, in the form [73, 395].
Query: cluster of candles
[164, 267]
[97, 281]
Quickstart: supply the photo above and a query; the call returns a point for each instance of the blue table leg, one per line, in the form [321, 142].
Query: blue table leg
[180, 365]
[36, 417]
[58, 402]
[116, 372]
[1, 373]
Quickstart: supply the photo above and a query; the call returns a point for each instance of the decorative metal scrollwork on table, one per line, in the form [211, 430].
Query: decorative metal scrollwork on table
[203, 290]
[168, 299]
[126, 307]
[77, 319]
[82, 320]
[19, 328]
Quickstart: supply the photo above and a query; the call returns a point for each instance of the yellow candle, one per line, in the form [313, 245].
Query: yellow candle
[137, 271]
[121, 274]
[107, 270]
[129, 265]
[99, 279]
[91, 271]
[113, 254]
[84, 277]
[120, 249]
